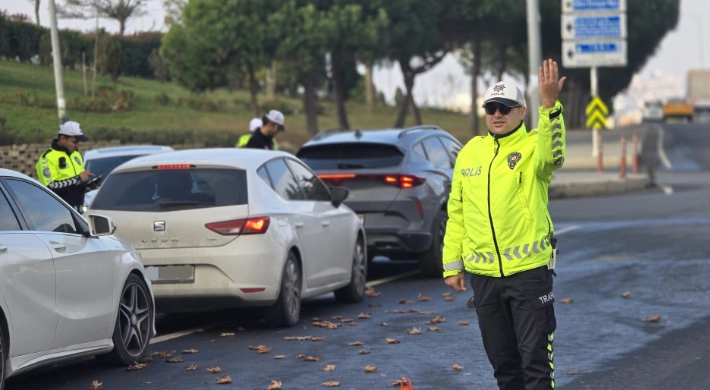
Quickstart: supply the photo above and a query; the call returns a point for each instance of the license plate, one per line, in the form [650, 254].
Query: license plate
[171, 274]
[361, 217]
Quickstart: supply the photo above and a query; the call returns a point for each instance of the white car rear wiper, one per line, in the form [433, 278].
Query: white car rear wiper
[352, 166]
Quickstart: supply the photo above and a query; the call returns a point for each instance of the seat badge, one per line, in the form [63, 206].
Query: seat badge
[513, 159]
[159, 226]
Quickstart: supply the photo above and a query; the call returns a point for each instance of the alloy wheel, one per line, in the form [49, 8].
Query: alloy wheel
[292, 289]
[134, 319]
[359, 269]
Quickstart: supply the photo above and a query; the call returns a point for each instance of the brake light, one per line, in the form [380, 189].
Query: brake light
[174, 166]
[240, 226]
[336, 178]
[404, 181]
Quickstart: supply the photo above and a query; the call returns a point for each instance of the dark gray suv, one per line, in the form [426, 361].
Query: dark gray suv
[399, 183]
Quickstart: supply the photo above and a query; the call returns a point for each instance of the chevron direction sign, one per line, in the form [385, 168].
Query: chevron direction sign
[597, 112]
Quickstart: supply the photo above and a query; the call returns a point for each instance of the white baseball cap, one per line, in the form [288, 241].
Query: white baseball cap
[255, 124]
[276, 117]
[505, 93]
[72, 129]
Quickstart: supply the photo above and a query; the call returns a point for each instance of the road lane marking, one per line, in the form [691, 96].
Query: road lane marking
[392, 278]
[661, 150]
[567, 229]
[668, 190]
[183, 333]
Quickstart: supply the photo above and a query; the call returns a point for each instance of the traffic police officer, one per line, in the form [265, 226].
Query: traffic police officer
[254, 125]
[263, 138]
[499, 230]
[61, 167]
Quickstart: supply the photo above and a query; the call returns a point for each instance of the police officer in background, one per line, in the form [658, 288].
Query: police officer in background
[254, 125]
[61, 167]
[500, 231]
[263, 138]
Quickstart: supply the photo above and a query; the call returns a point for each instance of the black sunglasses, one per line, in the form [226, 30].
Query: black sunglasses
[491, 108]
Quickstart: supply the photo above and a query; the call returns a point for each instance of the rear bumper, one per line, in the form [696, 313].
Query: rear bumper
[387, 241]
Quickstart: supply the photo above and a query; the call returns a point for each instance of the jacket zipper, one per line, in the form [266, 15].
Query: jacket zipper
[490, 215]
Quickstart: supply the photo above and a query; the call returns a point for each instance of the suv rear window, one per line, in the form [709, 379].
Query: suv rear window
[350, 156]
[172, 189]
[103, 166]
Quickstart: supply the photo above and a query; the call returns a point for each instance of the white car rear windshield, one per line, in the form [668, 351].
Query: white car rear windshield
[350, 156]
[172, 189]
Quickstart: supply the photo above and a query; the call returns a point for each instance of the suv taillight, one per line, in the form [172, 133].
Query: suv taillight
[240, 226]
[401, 181]
[404, 181]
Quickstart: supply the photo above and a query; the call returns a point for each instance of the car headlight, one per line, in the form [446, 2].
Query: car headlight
[84, 208]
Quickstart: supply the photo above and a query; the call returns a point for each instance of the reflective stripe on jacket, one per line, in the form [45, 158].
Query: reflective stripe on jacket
[499, 223]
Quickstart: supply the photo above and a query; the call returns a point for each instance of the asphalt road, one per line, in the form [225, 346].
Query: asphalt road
[653, 244]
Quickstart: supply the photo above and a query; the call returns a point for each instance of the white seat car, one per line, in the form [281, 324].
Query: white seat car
[68, 287]
[223, 228]
[102, 161]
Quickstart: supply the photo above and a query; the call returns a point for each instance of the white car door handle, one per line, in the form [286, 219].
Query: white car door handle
[298, 224]
[58, 247]
[325, 223]
[3, 249]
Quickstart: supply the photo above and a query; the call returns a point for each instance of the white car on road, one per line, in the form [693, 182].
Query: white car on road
[68, 288]
[102, 161]
[236, 227]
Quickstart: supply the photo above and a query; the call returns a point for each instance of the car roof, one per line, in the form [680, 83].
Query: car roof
[15, 174]
[385, 136]
[226, 157]
[133, 150]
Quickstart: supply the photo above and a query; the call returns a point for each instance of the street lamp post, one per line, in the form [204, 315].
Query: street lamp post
[534, 59]
[57, 59]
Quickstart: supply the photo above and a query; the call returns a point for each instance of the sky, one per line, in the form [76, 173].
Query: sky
[686, 47]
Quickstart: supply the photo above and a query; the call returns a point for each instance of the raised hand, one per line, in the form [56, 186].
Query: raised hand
[550, 83]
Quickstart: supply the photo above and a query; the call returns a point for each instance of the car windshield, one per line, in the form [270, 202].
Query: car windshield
[172, 189]
[350, 156]
[103, 166]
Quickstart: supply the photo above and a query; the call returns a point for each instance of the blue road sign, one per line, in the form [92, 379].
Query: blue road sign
[582, 26]
[593, 5]
[597, 47]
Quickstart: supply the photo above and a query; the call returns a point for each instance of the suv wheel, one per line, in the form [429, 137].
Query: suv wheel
[431, 261]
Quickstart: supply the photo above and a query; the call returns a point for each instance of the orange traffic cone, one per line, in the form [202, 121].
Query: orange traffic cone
[406, 384]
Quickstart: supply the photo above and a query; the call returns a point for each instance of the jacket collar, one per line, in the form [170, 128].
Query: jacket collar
[56, 146]
[516, 134]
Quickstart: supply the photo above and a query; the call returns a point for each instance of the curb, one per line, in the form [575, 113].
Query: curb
[608, 187]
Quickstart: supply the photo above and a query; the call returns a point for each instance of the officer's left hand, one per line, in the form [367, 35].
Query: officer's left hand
[550, 83]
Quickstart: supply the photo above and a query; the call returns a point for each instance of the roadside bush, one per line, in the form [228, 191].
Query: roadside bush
[162, 98]
[32, 99]
[202, 103]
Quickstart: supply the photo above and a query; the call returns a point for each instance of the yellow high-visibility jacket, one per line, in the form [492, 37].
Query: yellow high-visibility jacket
[59, 171]
[244, 140]
[499, 223]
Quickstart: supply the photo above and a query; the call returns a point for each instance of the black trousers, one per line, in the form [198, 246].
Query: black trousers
[517, 321]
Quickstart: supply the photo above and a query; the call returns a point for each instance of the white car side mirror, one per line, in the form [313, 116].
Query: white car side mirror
[100, 226]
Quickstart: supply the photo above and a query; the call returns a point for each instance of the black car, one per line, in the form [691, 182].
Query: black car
[399, 181]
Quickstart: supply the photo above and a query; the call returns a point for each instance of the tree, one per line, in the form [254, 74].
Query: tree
[119, 10]
[36, 3]
[173, 11]
[219, 41]
[415, 43]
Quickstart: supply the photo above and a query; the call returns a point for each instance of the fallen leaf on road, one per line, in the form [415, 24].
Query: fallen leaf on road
[162, 355]
[176, 359]
[188, 351]
[299, 338]
[566, 300]
[371, 293]
[225, 380]
[280, 357]
[392, 341]
[363, 352]
[275, 385]
[383, 324]
[423, 298]
[191, 367]
[300, 356]
[364, 316]
[356, 343]
[375, 305]
[438, 320]
[227, 334]
[214, 370]
[352, 323]
[450, 298]
[264, 350]
[421, 311]
[626, 294]
[433, 329]
[414, 331]
[405, 302]
[316, 319]
[446, 294]
[96, 385]
[336, 318]
[655, 318]
[348, 320]
[462, 322]
[328, 367]
[575, 372]
[398, 382]
[314, 338]
[326, 324]
[370, 368]
[136, 366]
[456, 367]
[258, 347]
[313, 359]
[331, 384]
